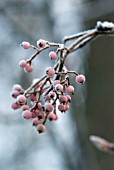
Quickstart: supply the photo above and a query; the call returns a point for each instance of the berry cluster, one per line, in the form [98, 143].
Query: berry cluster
[49, 94]
[52, 92]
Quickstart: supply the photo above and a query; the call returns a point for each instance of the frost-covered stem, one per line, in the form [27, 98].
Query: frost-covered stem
[74, 36]
[78, 41]
[49, 44]
[67, 72]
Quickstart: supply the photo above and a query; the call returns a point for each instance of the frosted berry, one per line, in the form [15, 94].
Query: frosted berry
[41, 128]
[51, 116]
[28, 68]
[23, 63]
[15, 106]
[63, 99]
[48, 107]
[69, 89]
[50, 71]
[21, 99]
[27, 114]
[80, 79]
[41, 114]
[17, 87]
[51, 94]
[36, 122]
[15, 93]
[53, 55]
[61, 107]
[59, 87]
[41, 43]
[25, 107]
[25, 45]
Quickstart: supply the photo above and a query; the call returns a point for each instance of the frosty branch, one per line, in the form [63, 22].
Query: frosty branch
[53, 91]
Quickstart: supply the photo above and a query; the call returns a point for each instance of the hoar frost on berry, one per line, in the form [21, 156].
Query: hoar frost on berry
[25, 45]
[40, 128]
[23, 63]
[50, 71]
[59, 87]
[53, 55]
[28, 68]
[17, 87]
[41, 43]
[27, 114]
[80, 79]
[21, 99]
[69, 89]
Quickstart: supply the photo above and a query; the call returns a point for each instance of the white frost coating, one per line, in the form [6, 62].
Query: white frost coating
[34, 81]
[105, 24]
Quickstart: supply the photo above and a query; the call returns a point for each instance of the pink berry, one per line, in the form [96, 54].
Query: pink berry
[25, 107]
[63, 99]
[80, 79]
[61, 107]
[17, 87]
[41, 43]
[28, 68]
[51, 94]
[51, 116]
[50, 71]
[47, 97]
[15, 106]
[27, 114]
[25, 45]
[41, 114]
[21, 99]
[53, 55]
[23, 63]
[41, 128]
[59, 87]
[48, 107]
[56, 82]
[36, 122]
[15, 93]
[69, 89]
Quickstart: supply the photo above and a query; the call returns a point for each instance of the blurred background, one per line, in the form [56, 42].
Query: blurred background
[65, 144]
